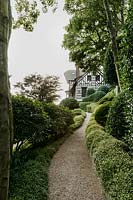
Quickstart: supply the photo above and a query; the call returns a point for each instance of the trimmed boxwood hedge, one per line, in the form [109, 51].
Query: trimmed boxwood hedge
[94, 97]
[113, 163]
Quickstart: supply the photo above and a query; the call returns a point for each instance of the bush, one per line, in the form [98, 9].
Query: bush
[83, 105]
[30, 120]
[119, 123]
[79, 116]
[70, 103]
[101, 113]
[91, 107]
[90, 91]
[39, 122]
[103, 88]
[60, 119]
[108, 97]
[113, 163]
[94, 97]
[29, 172]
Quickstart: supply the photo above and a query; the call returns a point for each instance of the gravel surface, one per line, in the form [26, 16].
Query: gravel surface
[71, 174]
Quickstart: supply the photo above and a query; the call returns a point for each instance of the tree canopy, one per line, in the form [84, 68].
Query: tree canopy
[40, 88]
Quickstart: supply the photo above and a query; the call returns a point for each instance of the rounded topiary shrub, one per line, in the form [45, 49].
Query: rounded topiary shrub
[83, 105]
[70, 103]
[90, 91]
[103, 88]
[94, 97]
[101, 113]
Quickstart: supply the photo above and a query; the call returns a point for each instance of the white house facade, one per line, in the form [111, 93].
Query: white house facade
[78, 84]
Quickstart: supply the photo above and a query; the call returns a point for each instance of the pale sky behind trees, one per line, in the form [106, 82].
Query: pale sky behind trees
[40, 51]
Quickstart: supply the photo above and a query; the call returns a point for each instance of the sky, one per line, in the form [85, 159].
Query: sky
[41, 51]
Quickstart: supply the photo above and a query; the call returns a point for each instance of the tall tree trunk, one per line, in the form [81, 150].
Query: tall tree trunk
[5, 125]
[113, 38]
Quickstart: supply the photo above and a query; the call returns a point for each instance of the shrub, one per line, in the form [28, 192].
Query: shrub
[108, 97]
[90, 91]
[79, 116]
[91, 107]
[39, 122]
[101, 113]
[83, 105]
[60, 118]
[94, 97]
[119, 122]
[29, 172]
[103, 88]
[70, 103]
[113, 164]
[30, 120]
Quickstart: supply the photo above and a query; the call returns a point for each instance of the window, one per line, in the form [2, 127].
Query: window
[84, 89]
[97, 77]
[89, 78]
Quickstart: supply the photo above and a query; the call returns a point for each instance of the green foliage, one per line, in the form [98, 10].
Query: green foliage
[39, 88]
[108, 97]
[39, 122]
[119, 123]
[87, 33]
[91, 107]
[70, 103]
[103, 88]
[113, 164]
[29, 120]
[79, 116]
[60, 119]
[94, 97]
[101, 113]
[90, 91]
[29, 172]
[126, 49]
[83, 105]
[28, 12]
[109, 71]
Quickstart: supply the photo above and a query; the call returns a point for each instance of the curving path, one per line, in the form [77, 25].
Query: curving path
[71, 174]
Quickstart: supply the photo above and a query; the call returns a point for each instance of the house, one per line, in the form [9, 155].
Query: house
[79, 82]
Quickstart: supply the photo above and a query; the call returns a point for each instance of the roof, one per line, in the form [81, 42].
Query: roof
[70, 75]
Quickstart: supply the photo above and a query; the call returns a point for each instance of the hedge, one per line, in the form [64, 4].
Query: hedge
[113, 163]
[94, 97]
[78, 118]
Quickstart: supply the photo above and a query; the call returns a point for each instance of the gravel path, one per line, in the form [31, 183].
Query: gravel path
[71, 174]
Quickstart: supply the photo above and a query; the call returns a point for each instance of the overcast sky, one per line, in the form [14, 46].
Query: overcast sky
[41, 51]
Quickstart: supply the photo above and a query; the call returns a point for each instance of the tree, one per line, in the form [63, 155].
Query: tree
[87, 35]
[40, 88]
[109, 72]
[5, 102]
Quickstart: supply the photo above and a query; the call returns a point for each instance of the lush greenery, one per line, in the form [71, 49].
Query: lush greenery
[101, 113]
[40, 88]
[113, 163]
[29, 172]
[94, 97]
[90, 91]
[120, 119]
[79, 116]
[83, 105]
[103, 88]
[38, 122]
[70, 103]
